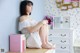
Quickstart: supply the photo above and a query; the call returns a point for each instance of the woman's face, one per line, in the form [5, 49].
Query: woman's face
[29, 8]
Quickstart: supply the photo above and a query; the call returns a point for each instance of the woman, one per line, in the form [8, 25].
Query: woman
[36, 32]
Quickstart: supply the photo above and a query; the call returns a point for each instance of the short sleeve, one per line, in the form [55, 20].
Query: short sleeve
[23, 25]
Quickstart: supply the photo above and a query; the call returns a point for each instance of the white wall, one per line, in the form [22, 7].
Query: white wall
[9, 12]
[38, 9]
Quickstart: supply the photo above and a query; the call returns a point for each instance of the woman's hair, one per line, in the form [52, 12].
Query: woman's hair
[23, 7]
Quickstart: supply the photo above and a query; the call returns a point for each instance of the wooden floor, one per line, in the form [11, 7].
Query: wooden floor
[76, 50]
[37, 51]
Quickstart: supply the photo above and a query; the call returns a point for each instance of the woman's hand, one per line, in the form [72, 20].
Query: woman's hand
[45, 21]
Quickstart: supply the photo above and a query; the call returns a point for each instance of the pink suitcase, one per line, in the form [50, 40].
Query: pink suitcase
[17, 43]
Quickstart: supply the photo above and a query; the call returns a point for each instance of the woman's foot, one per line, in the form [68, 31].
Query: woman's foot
[46, 46]
[51, 45]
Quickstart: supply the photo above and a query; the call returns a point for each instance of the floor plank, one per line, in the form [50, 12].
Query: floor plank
[37, 51]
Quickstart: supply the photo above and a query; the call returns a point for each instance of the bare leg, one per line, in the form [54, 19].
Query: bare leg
[44, 36]
[46, 39]
[47, 33]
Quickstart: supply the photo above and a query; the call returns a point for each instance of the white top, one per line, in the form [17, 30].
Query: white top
[32, 38]
[26, 23]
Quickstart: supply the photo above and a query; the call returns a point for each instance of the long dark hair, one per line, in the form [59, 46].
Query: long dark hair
[23, 7]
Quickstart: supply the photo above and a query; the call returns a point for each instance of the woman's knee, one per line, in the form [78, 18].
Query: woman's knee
[45, 26]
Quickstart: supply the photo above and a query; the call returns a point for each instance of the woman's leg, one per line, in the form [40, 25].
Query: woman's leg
[47, 33]
[44, 36]
[46, 39]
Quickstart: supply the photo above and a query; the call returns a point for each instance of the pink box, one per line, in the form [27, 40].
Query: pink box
[17, 43]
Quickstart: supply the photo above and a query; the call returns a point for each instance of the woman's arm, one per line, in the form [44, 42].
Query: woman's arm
[36, 27]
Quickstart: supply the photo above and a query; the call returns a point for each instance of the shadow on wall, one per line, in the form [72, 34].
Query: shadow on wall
[17, 26]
